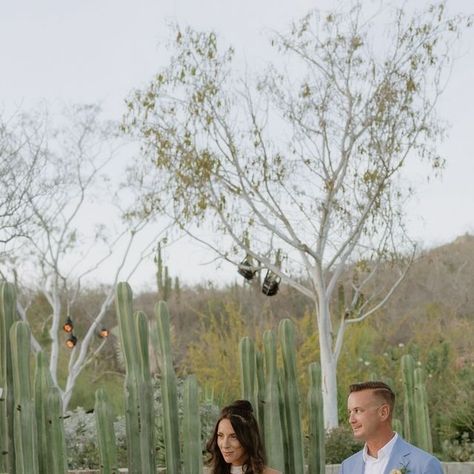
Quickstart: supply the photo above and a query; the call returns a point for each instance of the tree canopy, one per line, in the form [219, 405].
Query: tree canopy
[301, 165]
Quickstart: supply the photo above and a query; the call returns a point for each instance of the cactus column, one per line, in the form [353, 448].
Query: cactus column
[291, 398]
[192, 456]
[408, 371]
[316, 449]
[422, 418]
[138, 392]
[49, 420]
[55, 432]
[26, 456]
[105, 433]
[7, 318]
[248, 377]
[272, 419]
[168, 389]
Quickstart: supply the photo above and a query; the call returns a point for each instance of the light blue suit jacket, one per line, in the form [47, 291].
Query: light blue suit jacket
[403, 454]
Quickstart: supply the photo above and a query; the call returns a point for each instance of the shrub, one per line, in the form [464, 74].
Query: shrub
[340, 444]
[459, 450]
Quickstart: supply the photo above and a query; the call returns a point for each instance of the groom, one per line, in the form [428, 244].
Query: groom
[370, 408]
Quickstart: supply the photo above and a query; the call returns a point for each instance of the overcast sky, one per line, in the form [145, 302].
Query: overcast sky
[98, 50]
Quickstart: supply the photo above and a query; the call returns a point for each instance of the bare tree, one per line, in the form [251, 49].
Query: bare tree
[77, 235]
[301, 168]
[21, 161]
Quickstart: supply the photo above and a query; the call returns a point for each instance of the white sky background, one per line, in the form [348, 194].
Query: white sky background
[96, 51]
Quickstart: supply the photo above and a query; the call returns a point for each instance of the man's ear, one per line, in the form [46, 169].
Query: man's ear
[385, 411]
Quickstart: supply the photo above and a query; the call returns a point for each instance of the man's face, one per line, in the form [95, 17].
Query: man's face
[367, 413]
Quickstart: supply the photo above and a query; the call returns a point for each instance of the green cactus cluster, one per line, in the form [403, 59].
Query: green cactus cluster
[416, 426]
[32, 437]
[274, 393]
[135, 333]
[32, 429]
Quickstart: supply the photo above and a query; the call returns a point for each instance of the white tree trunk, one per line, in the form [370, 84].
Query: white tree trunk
[328, 360]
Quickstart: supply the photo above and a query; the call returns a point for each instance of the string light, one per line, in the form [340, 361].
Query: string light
[71, 341]
[68, 326]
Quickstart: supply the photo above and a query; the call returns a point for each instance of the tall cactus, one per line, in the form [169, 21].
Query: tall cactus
[55, 433]
[248, 370]
[316, 449]
[408, 377]
[259, 390]
[422, 418]
[192, 456]
[26, 455]
[7, 318]
[272, 419]
[105, 433]
[43, 383]
[291, 398]
[416, 418]
[168, 389]
[138, 394]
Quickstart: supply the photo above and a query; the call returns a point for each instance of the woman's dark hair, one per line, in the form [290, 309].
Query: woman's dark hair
[240, 415]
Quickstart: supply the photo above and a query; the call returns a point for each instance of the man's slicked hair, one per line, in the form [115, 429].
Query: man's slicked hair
[380, 389]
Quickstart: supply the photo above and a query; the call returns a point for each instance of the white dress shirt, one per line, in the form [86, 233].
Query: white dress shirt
[377, 465]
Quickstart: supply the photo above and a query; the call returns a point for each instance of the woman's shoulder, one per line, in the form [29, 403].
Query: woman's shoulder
[269, 470]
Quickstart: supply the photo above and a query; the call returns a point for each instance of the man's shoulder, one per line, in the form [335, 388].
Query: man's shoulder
[355, 457]
[404, 444]
[417, 455]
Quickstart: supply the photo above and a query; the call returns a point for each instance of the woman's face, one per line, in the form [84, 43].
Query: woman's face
[231, 449]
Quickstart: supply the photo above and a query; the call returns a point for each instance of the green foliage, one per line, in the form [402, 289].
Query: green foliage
[82, 442]
[460, 449]
[213, 353]
[340, 444]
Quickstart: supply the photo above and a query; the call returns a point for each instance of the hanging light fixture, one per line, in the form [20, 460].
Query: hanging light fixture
[71, 341]
[270, 283]
[68, 326]
[103, 333]
[246, 269]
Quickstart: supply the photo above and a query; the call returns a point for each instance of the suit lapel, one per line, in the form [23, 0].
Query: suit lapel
[359, 466]
[399, 457]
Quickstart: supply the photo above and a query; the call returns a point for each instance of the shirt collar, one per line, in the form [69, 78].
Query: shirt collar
[383, 452]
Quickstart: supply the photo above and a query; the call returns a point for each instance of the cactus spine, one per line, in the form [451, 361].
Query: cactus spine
[7, 318]
[291, 397]
[316, 450]
[26, 456]
[272, 420]
[105, 433]
[168, 389]
[192, 462]
[138, 394]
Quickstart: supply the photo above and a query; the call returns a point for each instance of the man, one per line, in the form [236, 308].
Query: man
[370, 407]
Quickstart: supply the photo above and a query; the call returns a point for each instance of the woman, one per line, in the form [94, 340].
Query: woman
[235, 446]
